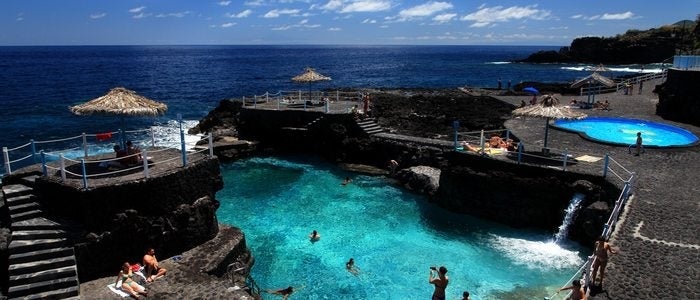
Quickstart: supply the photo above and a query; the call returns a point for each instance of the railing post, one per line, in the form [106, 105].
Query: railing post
[6, 159]
[43, 164]
[144, 159]
[267, 96]
[211, 145]
[327, 103]
[62, 164]
[255, 101]
[85, 145]
[82, 165]
[520, 152]
[153, 137]
[33, 150]
[566, 157]
[279, 100]
[606, 163]
[121, 139]
[455, 126]
[183, 150]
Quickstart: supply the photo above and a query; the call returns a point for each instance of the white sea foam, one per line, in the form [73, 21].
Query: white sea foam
[498, 62]
[543, 255]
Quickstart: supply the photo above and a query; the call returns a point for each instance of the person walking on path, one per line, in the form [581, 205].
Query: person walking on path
[637, 145]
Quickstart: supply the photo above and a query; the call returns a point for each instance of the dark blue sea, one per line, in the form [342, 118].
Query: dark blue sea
[38, 84]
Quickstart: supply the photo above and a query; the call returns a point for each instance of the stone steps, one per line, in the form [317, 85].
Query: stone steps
[369, 126]
[42, 261]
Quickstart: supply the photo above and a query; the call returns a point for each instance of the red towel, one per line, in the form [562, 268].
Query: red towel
[103, 136]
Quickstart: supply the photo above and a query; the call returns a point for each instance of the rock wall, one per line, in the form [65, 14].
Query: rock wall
[678, 97]
[116, 223]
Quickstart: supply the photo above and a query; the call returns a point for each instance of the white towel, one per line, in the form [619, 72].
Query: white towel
[118, 290]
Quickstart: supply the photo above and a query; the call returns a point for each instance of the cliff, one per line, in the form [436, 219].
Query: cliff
[633, 47]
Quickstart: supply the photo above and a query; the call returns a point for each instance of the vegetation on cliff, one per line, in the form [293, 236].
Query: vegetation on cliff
[633, 47]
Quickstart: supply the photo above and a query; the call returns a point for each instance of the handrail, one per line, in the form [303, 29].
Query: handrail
[621, 85]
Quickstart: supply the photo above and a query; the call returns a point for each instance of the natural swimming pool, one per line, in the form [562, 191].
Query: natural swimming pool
[622, 131]
[393, 235]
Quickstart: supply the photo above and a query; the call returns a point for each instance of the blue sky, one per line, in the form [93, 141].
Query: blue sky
[362, 22]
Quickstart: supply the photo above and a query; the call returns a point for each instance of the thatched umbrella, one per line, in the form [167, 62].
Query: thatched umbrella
[309, 76]
[591, 80]
[122, 102]
[548, 109]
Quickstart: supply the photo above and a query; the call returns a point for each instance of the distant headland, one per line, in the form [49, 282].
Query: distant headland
[633, 47]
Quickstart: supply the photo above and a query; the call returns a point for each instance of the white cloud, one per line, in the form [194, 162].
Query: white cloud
[488, 15]
[443, 18]
[243, 14]
[224, 3]
[334, 29]
[424, 10]
[173, 15]
[620, 16]
[282, 28]
[137, 10]
[579, 16]
[332, 5]
[98, 16]
[141, 16]
[227, 25]
[366, 6]
[20, 17]
[275, 13]
[254, 3]
[369, 21]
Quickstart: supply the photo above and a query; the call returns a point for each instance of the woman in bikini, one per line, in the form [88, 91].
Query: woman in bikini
[128, 284]
[601, 258]
[440, 282]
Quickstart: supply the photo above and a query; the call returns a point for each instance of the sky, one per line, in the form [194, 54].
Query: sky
[328, 22]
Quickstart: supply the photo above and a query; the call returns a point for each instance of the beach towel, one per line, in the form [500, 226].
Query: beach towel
[103, 136]
[118, 290]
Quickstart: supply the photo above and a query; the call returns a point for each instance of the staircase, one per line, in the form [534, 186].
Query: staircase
[369, 126]
[41, 258]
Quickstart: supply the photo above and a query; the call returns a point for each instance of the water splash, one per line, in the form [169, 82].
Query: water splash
[564, 227]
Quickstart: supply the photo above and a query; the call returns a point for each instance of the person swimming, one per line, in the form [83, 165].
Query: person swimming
[314, 236]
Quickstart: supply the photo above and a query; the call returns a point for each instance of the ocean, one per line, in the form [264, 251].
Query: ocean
[38, 84]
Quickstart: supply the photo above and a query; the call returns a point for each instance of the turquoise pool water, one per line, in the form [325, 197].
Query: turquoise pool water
[621, 131]
[393, 235]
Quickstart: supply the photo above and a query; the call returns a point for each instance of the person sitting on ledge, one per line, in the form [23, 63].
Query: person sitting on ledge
[133, 154]
[150, 263]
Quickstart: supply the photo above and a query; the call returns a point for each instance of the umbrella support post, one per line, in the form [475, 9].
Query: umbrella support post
[546, 133]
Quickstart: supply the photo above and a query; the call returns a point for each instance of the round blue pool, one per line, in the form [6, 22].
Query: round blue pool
[622, 131]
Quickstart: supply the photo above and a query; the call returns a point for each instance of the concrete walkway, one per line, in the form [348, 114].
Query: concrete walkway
[657, 236]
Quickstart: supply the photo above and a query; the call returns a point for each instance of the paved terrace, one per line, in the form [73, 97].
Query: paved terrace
[657, 235]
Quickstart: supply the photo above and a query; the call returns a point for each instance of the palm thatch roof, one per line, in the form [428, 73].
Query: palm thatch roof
[120, 101]
[594, 78]
[548, 108]
[310, 75]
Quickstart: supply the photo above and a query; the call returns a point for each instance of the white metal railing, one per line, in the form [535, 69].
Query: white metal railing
[326, 101]
[52, 154]
[622, 85]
